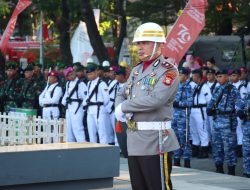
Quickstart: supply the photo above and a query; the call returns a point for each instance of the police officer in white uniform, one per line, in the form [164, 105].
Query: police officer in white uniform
[96, 106]
[75, 93]
[198, 116]
[50, 98]
[235, 79]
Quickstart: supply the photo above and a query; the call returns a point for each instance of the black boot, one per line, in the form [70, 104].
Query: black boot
[187, 163]
[195, 150]
[246, 175]
[177, 162]
[219, 169]
[203, 152]
[231, 170]
[239, 151]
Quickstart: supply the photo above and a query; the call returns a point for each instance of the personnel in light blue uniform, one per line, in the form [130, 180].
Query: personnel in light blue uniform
[180, 122]
[226, 101]
[244, 114]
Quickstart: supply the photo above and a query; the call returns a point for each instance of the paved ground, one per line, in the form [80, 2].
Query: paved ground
[191, 179]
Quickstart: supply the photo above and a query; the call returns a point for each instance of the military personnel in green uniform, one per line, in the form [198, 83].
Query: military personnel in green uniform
[11, 88]
[30, 90]
[38, 76]
[60, 69]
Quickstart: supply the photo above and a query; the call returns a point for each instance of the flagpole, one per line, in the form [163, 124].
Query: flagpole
[41, 40]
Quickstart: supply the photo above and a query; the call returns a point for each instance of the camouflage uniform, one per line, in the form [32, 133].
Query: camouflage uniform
[10, 90]
[246, 136]
[62, 79]
[183, 102]
[30, 92]
[39, 77]
[226, 99]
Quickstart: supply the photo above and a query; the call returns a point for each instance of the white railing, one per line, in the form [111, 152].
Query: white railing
[18, 130]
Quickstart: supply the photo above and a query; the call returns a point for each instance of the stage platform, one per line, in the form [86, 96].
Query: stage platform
[64, 166]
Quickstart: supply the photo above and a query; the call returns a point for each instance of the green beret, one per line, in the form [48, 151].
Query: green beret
[29, 68]
[79, 68]
[91, 68]
[11, 65]
[77, 64]
[60, 65]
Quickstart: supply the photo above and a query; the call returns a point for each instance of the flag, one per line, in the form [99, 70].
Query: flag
[185, 30]
[21, 5]
[118, 127]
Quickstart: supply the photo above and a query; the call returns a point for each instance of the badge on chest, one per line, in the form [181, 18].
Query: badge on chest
[148, 83]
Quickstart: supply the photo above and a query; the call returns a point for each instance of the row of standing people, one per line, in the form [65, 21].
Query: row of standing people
[88, 101]
[197, 128]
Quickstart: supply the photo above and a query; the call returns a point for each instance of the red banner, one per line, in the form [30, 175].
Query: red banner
[185, 30]
[21, 5]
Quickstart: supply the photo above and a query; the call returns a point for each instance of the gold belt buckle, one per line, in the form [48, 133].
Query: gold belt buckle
[132, 125]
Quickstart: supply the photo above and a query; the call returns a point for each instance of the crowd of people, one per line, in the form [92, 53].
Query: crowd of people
[211, 114]
[211, 108]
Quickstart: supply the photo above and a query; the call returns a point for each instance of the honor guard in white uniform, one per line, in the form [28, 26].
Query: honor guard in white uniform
[235, 79]
[96, 106]
[212, 83]
[113, 87]
[50, 98]
[75, 93]
[198, 116]
[146, 102]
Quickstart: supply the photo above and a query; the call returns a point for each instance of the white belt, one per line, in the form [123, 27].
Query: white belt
[149, 125]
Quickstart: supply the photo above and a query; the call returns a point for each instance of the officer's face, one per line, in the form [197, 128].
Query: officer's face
[222, 79]
[45, 73]
[196, 78]
[93, 75]
[243, 75]
[106, 74]
[120, 78]
[28, 74]
[71, 76]
[112, 74]
[209, 65]
[182, 77]
[52, 79]
[37, 70]
[145, 50]
[210, 77]
[80, 74]
[11, 73]
[235, 78]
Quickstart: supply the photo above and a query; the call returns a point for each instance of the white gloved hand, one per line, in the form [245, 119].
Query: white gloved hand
[119, 115]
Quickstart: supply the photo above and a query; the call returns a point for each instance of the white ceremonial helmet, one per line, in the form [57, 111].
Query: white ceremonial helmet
[105, 63]
[149, 32]
[90, 60]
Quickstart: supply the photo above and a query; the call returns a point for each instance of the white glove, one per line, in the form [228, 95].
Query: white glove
[119, 115]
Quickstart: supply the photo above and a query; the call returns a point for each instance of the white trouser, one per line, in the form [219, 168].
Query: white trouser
[198, 127]
[51, 113]
[75, 126]
[101, 126]
[239, 131]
